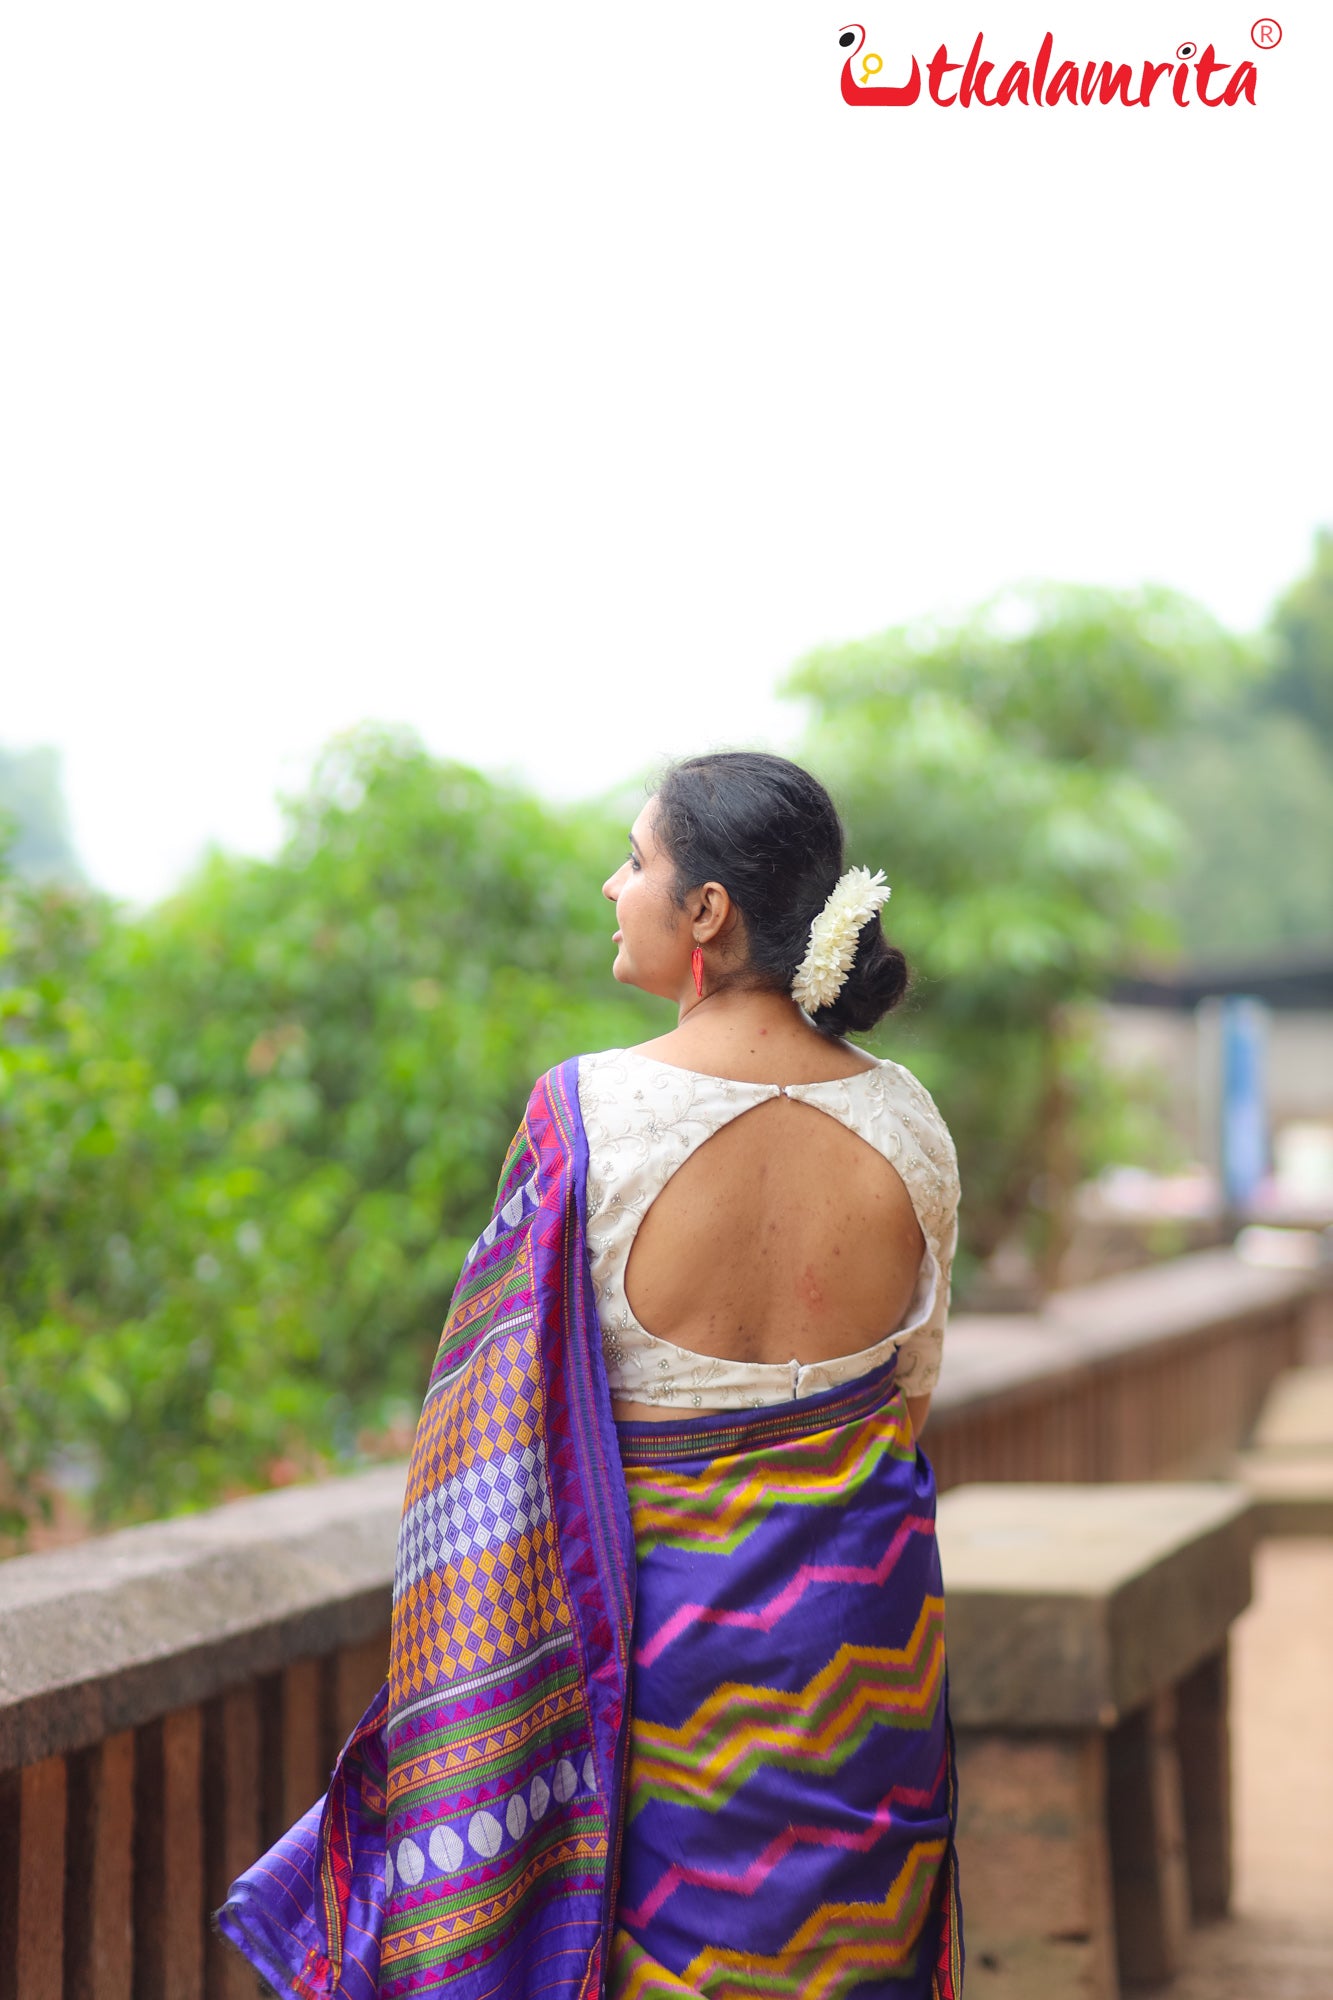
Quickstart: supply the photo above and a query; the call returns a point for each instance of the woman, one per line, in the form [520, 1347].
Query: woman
[666, 1704]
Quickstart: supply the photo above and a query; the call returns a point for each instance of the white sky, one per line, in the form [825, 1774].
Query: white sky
[550, 378]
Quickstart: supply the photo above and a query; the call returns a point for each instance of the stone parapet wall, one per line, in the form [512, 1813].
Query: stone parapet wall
[172, 1696]
[1152, 1374]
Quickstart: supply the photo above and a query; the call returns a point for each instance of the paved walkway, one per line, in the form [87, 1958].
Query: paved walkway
[1279, 1944]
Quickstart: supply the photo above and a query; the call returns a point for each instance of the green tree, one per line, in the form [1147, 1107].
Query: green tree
[247, 1138]
[1253, 791]
[990, 768]
[1302, 633]
[1249, 774]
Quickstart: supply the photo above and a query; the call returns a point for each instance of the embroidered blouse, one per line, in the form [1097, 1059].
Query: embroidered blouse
[644, 1118]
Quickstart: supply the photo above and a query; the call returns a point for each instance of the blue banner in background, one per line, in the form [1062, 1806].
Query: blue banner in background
[1244, 1107]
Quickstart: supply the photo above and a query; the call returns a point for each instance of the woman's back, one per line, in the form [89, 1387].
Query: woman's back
[783, 1235]
[777, 1232]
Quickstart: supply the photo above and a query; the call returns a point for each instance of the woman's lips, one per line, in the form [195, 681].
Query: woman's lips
[616, 938]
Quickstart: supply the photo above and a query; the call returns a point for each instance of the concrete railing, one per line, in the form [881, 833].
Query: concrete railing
[1154, 1374]
[171, 1699]
[172, 1696]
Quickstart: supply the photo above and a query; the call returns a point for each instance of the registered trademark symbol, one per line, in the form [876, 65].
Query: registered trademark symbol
[1266, 33]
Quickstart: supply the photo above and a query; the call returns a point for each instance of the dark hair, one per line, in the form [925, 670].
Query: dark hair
[770, 834]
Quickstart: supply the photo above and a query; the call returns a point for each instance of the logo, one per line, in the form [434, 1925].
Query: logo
[1192, 77]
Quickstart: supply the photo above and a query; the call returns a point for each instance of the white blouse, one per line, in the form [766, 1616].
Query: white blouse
[643, 1120]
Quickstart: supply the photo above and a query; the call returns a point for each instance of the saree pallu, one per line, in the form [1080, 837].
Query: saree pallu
[468, 1846]
[789, 1803]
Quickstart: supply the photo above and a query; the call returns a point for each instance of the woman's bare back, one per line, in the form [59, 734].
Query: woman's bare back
[784, 1235]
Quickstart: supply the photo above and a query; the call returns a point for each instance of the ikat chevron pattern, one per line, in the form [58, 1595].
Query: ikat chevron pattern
[789, 1817]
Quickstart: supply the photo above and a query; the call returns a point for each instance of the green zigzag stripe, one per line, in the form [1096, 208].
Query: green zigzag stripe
[814, 1729]
[868, 1944]
[693, 1514]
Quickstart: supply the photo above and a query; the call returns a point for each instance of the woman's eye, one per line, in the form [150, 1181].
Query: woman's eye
[633, 862]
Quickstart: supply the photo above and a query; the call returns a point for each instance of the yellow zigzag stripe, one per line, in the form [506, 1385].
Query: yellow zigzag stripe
[636, 1976]
[728, 1505]
[835, 1949]
[707, 1759]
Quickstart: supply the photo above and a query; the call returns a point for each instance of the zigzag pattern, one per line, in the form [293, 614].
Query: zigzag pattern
[835, 1949]
[767, 1616]
[713, 1511]
[473, 1917]
[634, 1975]
[488, 1753]
[738, 1728]
[748, 1881]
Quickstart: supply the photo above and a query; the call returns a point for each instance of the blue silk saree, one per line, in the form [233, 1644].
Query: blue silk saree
[666, 1708]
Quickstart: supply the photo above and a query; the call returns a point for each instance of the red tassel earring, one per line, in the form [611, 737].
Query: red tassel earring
[697, 967]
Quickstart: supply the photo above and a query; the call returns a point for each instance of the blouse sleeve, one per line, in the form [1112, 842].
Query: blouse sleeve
[920, 1355]
[930, 1170]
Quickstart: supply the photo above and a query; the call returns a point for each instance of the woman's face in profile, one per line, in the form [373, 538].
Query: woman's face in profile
[653, 937]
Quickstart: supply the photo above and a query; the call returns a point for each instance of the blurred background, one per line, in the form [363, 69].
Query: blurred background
[419, 429]
[414, 436]
[249, 1130]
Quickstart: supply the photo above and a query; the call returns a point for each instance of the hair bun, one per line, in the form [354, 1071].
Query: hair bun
[875, 984]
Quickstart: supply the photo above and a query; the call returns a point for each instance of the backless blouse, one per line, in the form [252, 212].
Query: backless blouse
[644, 1118]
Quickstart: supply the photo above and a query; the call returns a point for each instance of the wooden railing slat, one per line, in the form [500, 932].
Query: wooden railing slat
[169, 1859]
[33, 1807]
[232, 1826]
[304, 1763]
[99, 1885]
[353, 1679]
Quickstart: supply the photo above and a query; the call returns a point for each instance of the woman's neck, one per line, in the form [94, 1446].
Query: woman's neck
[742, 1011]
[755, 1037]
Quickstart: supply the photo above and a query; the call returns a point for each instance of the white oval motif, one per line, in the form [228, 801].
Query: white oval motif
[589, 1773]
[446, 1849]
[485, 1833]
[539, 1796]
[411, 1863]
[516, 1815]
[566, 1780]
[388, 1873]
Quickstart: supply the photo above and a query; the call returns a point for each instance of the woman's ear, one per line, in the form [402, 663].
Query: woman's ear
[716, 912]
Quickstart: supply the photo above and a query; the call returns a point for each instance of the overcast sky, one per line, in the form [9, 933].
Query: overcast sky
[551, 378]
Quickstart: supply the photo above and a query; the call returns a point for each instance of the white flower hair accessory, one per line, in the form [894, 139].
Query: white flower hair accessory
[834, 936]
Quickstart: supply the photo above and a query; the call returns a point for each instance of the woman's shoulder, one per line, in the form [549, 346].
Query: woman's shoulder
[915, 1108]
[592, 1070]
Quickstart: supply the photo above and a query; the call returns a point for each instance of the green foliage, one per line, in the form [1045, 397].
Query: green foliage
[1302, 629]
[1251, 781]
[246, 1139]
[990, 769]
[1253, 791]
